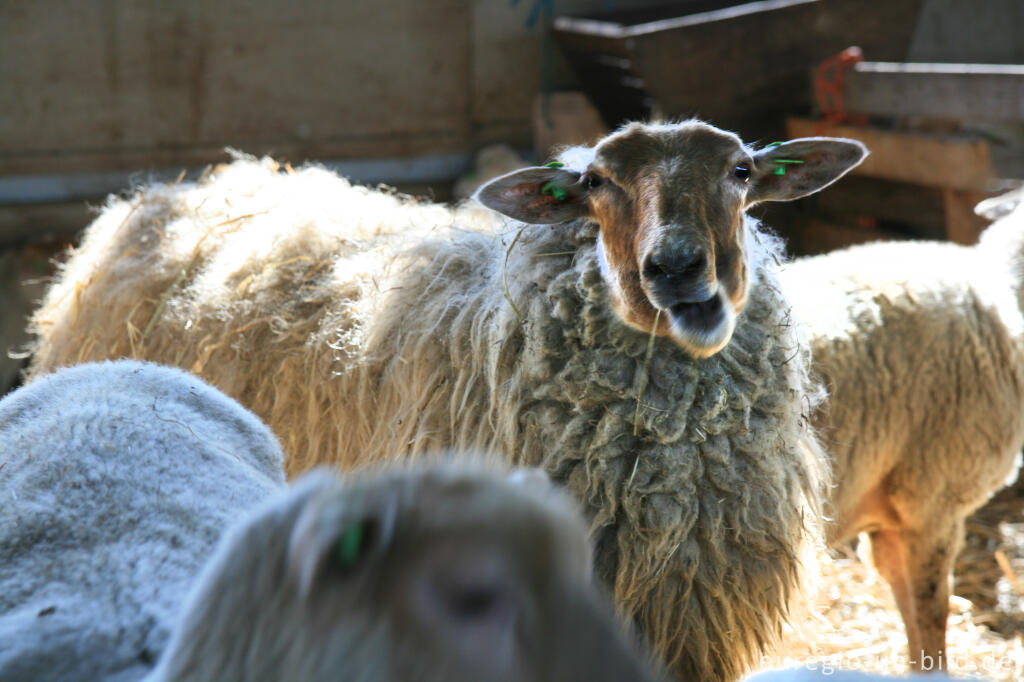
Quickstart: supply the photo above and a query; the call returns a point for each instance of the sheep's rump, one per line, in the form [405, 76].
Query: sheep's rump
[293, 292]
[919, 344]
[117, 481]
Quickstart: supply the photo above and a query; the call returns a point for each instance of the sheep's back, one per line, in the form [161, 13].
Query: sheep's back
[259, 279]
[118, 480]
[925, 339]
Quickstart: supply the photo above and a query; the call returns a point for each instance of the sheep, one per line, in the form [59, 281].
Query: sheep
[453, 572]
[625, 332]
[921, 347]
[117, 481]
[120, 477]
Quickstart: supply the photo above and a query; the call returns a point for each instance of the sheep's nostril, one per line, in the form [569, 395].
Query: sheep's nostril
[653, 270]
[683, 263]
[473, 603]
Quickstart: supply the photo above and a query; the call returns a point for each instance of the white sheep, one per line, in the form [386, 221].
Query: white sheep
[448, 573]
[921, 348]
[116, 482]
[630, 337]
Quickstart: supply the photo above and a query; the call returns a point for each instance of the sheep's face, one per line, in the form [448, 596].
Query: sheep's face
[452, 575]
[670, 201]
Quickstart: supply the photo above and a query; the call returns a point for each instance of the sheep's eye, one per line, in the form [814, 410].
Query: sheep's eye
[742, 172]
[592, 180]
[474, 603]
[353, 544]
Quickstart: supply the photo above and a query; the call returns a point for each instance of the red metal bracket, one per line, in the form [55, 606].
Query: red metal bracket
[828, 86]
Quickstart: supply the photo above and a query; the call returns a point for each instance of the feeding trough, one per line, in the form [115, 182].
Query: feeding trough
[743, 67]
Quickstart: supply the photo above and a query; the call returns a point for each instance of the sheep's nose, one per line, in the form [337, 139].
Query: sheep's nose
[678, 275]
[681, 262]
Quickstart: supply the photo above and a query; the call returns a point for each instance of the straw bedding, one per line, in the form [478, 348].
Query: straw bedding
[853, 622]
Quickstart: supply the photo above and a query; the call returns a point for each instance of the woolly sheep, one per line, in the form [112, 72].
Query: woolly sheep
[449, 573]
[117, 480]
[364, 326]
[921, 347]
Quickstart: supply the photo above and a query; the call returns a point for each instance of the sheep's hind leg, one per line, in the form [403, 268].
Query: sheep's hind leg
[889, 554]
[917, 565]
[931, 553]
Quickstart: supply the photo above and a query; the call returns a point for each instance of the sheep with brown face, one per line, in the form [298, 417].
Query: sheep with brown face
[449, 573]
[671, 201]
[363, 326]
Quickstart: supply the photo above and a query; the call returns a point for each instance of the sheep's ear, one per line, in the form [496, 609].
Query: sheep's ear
[540, 195]
[800, 167]
[337, 532]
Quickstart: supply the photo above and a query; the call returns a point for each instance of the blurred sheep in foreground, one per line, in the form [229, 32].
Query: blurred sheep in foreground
[448, 574]
[119, 479]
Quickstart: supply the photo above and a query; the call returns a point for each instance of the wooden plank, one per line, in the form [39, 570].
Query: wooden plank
[975, 92]
[919, 209]
[25, 273]
[820, 236]
[599, 55]
[145, 159]
[564, 119]
[963, 226]
[969, 31]
[935, 161]
[35, 223]
[130, 79]
[512, 59]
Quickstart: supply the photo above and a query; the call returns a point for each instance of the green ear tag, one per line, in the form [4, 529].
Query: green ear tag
[554, 164]
[773, 144]
[781, 170]
[349, 546]
[552, 190]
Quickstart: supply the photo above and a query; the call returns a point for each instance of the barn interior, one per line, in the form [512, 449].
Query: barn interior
[434, 98]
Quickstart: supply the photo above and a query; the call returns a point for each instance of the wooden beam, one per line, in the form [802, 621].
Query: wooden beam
[932, 160]
[976, 92]
[35, 223]
[564, 119]
[963, 226]
[918, 210]
[820, 236]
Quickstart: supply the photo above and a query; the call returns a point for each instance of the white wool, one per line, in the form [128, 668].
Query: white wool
[116, 481]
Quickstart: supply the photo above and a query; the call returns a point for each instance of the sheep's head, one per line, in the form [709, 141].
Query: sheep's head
[670, 201]
[453, 572]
